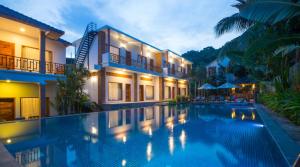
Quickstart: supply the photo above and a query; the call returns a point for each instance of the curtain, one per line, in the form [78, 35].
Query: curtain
[114, 91]
[149, 92]
[167, 92]
[30, 107]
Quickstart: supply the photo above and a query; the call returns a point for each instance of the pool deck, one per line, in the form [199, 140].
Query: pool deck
[6, 159]
[285, 134]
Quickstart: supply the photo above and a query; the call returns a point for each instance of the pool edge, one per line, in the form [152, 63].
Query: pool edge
[287, 146]
[7, 160]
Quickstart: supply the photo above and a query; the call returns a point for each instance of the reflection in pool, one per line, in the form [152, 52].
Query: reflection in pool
[186, 135]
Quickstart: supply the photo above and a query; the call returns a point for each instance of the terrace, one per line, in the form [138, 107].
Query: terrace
[136, 64]
[29, 65]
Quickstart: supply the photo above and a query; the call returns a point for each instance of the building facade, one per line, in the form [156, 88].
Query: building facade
[32, 57]
[127, 70]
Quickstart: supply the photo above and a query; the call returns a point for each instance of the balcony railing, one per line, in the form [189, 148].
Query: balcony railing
[176, 73]
[114, 58]
[29, 65]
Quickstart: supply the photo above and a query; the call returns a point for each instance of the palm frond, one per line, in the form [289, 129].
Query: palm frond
[234, 22]
[269, 11]
[287, 49]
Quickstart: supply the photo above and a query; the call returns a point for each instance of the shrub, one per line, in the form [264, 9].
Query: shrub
[286, 104]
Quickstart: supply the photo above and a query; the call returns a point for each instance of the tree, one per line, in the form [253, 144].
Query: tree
[70, 96]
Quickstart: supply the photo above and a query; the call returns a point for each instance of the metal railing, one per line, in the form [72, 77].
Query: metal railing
[29, 65]
[114, 58]
[176, 73]
[118, 59]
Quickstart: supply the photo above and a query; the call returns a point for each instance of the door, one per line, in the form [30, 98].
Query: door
[7, 109]
[7, 53]
[128, 58]
[151, 64]
[173, 92]
[128, 92]
[141, 90]
[173, 68]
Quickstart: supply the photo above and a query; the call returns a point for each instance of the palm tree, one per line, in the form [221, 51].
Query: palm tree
[70, 96]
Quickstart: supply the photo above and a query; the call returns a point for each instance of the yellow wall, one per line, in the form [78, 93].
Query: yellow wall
[18, 90]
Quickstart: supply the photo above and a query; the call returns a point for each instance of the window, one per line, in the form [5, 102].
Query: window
[30, 107]
[34, 53]
[114, 91]
[167, 92]
[114, 50]
[149, 92]
[183, 91]
[211, 71]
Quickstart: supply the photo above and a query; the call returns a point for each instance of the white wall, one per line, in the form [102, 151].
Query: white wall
[93, 54]
[57, 48]
[91, 87]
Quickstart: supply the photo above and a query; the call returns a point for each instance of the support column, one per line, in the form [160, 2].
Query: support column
[135, 87]
[43, 99]
[101, 46]
[176, 88]
[101, 86]
[42, 41]
[161, 88]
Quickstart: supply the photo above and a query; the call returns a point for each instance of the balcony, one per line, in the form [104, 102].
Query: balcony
[168, 71]
[29, 65]
[127, 62]
[117, 59]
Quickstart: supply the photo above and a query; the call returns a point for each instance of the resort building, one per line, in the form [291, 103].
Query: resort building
[32, 57]
[127, 70]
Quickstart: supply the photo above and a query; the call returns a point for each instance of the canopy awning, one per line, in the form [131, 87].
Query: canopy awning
[228, 85]
[207, 86]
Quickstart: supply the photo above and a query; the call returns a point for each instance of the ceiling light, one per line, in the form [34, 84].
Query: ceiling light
[22, 29]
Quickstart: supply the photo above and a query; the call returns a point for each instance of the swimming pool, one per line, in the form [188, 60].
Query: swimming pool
[186, 135]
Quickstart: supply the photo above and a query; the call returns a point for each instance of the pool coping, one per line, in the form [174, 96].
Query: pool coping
[7, 160]
[287, 146]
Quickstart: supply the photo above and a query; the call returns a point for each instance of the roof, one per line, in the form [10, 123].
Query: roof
[16, 16]
[121, 32]
[224, 62]
[64, 42]
[179, 55]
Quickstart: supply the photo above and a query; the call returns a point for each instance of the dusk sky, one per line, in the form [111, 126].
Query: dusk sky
[179, 25]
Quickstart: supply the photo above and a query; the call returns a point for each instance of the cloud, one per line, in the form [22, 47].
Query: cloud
[174, 24]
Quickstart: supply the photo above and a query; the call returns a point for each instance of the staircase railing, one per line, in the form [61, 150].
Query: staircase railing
[85, 43]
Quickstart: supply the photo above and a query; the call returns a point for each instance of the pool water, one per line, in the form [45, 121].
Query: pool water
[186, 135]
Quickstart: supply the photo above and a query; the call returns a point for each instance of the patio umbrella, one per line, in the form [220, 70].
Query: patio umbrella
[228, 85]
[207, 86]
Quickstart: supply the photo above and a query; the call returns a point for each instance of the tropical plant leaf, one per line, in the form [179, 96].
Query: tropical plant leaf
[268, 11]
[234, 22]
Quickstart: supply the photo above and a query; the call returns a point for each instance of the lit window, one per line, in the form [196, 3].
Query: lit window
[149, 92]
[114, 91]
